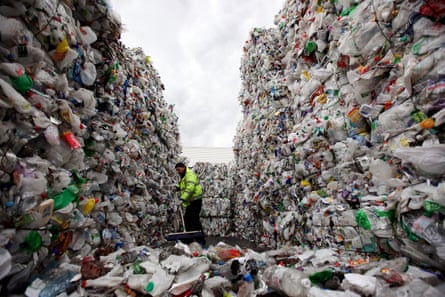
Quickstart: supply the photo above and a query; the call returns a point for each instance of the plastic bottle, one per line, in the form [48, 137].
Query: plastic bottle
[88, 74]
[103, 282]
[137, 269]
[61, 49]
[138, 282]
[20, 104]
[310, 47]
[52, 135]
[33, 240]
[71, 139]
[293, 283]
[45, 209]
[22, 83]
[320, 277]
[357, 121]
[69, 194]
[391, 276]
[327, 279]
[58, 285]
[87, 35]
[159, 283]
[87, 205]
[247, 288]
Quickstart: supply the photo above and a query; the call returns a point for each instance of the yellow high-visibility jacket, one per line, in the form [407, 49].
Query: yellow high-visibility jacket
[190, 188]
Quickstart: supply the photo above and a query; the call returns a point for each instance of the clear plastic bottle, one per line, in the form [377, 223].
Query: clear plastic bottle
[59, 284]
[293, 283]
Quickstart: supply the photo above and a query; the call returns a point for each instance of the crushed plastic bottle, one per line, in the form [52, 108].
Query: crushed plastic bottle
[61, 283]
[289, 281]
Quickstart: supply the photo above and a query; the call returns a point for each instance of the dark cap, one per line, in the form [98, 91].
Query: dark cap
[180, 164]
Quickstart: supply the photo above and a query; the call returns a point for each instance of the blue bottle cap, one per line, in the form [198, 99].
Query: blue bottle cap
[247, 277]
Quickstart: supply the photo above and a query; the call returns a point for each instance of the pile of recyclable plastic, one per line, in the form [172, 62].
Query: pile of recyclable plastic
[342, 141]
[87, 142]
[339, 158]
[216, 213]
[229, 270]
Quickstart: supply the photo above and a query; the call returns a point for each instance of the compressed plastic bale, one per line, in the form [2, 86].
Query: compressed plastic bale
[383, 11]
[48, 86]
[217, 205]
[261, 137]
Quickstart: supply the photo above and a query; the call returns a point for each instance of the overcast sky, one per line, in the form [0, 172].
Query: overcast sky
[196, 46]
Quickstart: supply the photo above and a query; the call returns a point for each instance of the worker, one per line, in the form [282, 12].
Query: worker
[191, 192]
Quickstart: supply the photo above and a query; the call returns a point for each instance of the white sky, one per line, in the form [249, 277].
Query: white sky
[196, 46]
[208, 154]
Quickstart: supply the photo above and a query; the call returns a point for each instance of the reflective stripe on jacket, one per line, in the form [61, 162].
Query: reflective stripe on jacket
[190, 187]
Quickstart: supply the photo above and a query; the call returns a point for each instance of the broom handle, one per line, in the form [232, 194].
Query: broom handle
[182, 218]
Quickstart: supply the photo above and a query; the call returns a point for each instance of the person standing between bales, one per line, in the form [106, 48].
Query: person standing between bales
[191, 192]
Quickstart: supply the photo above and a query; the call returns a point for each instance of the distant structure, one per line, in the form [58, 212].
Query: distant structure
[208, 154]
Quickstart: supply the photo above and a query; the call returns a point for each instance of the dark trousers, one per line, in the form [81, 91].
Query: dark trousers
[191, 217]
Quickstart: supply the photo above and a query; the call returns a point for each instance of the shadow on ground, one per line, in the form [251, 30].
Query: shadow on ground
[233, 241]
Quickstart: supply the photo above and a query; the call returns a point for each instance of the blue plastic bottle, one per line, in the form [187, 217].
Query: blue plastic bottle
[58, 285]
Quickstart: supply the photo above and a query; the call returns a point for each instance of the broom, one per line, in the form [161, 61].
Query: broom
[186, 234]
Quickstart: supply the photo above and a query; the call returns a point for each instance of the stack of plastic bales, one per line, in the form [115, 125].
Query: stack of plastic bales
[342, 138]
[216, 214]
[88, 144]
